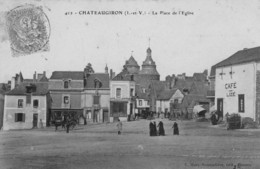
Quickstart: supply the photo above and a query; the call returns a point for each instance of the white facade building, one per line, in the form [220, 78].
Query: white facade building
[25, 110]
[237, 84]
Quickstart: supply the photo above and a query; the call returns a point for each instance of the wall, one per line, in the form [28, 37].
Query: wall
[87, 98]
[125, 88]
[57, 99]
[59, 84]
[177, 95]
[1, 109]
[11, 107]
[144, 104]
[244, 78]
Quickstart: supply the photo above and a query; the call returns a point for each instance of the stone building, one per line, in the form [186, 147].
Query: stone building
[26, 106]
[65, 89]
[82, 94]
[95, 96]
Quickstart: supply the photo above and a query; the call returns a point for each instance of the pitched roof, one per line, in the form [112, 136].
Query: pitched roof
[131, 62]
[74, 75]
[124, 76]
[199, 88]
[199, 77]
[139, 92]
[102, 77]
[166, 94]
[41, 89]
[242, 56]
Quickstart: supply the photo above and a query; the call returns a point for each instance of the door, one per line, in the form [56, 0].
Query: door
[220, 107]
[105, 115]
[35, 120]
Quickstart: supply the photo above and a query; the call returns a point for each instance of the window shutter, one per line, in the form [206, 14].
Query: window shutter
[15, 116]
[23, 117]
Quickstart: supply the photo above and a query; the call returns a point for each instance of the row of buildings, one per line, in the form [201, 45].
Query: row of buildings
[105, 97]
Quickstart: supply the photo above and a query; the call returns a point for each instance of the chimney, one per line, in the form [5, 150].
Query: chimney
[13, 83]
[44, 73]
[34, 77]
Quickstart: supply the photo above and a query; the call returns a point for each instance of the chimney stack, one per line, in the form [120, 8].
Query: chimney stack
[34, 77]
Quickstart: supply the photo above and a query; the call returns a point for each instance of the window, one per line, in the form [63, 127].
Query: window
[20, 103]
[66, 84]
[19, 117]
[96, 99]
[66, 99]
[241, 103]
[148, 102]
[97, 84]
[140, 102]
[131, 92]
[118, 93]
[35, 103]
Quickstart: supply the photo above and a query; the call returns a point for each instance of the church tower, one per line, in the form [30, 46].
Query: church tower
[132, 66]
[149, 71]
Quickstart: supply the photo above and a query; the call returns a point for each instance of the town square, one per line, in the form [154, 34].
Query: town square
[132, 84]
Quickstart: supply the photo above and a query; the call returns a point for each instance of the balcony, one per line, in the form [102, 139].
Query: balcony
[211, 94]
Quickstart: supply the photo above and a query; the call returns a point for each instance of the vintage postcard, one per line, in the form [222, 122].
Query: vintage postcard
[152, 84]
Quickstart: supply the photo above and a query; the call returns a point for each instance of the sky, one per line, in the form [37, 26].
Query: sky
[213, 31]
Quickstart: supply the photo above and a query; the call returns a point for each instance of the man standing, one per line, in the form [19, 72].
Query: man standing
[119, 127]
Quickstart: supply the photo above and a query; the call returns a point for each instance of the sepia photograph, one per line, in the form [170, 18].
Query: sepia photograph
[149, 84]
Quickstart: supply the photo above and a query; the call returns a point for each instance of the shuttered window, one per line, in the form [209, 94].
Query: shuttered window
[19, 117]
[241, 103]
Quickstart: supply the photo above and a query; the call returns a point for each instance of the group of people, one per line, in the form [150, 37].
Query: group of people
[161, 131]
[153, 129]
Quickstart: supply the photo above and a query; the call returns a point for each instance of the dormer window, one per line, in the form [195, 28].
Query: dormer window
[97, 84]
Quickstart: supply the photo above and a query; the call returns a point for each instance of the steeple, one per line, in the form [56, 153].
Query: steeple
[149, 66]
[106, 69]
[149, 60]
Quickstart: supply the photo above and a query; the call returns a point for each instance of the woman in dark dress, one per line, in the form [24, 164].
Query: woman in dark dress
[151, 129]
[175, 129]
[154, 128]
[161, 129]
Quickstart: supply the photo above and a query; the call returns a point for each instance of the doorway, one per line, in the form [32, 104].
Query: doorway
[35, 120]
[220, 107]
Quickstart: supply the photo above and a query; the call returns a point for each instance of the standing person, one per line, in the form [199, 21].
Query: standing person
[154, 128]
[41, 124]
[151, 130]
[175, 129]
[119, 127]
[161, 129]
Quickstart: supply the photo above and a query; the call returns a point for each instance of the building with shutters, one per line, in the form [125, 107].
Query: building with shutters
[65, 90]
[95, 96]
[26, 106]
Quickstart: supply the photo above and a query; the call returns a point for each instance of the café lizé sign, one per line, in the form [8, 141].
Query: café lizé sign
[230, 87]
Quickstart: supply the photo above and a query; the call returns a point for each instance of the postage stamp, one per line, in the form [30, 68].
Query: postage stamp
[28, 29]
